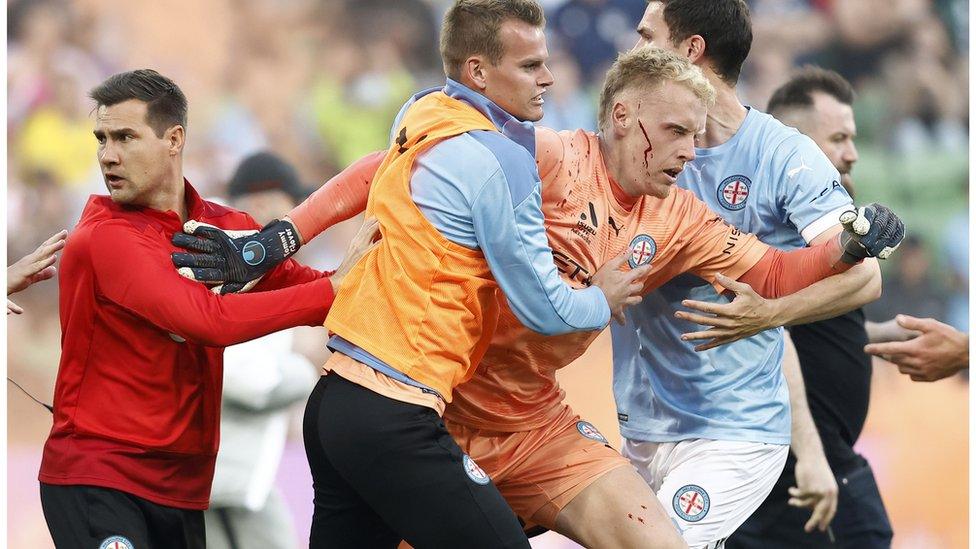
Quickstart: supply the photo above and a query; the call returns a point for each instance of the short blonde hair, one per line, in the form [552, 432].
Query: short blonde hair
[648, 67]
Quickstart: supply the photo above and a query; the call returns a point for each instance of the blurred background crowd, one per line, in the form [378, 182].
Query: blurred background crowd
[319, 81]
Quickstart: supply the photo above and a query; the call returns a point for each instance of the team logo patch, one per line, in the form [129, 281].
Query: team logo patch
[642, 250]
[117, 542]
[733, 192]
[475, 473]
[587, 429]
[253, 253]
[690, 502]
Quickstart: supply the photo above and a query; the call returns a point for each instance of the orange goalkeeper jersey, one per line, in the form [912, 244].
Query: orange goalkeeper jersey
[515, 388]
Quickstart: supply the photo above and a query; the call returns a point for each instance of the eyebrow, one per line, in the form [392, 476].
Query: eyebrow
[115, 133]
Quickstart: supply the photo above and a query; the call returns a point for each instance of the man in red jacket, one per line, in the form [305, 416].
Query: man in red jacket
[130, 457]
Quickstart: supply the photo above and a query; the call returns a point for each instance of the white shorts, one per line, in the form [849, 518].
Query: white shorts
[709, 487]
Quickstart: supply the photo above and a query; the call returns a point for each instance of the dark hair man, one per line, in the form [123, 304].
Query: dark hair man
[130, 456]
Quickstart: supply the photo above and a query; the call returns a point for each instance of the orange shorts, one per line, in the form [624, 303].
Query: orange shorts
[540, 471]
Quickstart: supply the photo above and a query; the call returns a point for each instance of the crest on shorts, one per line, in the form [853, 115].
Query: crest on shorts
[733, 192]
[474, 472]
[587, 429]
[642, 250]
[117, 542]
[690, 502]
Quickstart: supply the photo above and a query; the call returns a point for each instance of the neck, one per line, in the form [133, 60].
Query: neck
[172, 197]
[625, 196]
[725, 117]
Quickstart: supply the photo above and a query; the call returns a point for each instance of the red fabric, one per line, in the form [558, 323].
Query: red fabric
[135, 409]
[781, 273]
[339, 199]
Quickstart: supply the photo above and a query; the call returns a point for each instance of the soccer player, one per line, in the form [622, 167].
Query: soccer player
[458, 200]
[836, 373]
[554, 469]
[710, 428]
[130, 457]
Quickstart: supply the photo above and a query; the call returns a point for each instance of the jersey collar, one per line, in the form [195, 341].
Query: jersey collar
[519, 131]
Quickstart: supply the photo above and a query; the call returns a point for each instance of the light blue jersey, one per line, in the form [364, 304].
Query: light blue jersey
[769, 180]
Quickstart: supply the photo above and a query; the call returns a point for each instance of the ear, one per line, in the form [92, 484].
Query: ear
[620, 119]
[176, 138]
[694, 48]
[473, 73]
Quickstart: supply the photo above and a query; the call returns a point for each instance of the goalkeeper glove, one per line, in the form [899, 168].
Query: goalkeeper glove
[870, 231]
[234, 259]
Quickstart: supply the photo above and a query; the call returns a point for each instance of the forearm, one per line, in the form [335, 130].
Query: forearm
[832, 296]
[806, 442]
[339, 199]
[781, 273]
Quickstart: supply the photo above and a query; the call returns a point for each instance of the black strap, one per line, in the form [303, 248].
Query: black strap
[48, 406]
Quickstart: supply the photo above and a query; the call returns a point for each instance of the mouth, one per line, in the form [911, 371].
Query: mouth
[538, 101]
[672, 174]
[114, 181]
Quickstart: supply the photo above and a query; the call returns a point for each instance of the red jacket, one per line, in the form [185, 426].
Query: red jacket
[137, 408]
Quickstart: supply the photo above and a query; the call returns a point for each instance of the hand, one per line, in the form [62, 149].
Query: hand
[234, 259]
[13, 308]
[35, 266]
[939, 352]
[888, 330]
[746, 315]
[621, 288]
[365, 240]
[870, 231]
[816, 489]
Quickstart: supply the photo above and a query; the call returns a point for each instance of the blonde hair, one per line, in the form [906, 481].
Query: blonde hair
[648, 67]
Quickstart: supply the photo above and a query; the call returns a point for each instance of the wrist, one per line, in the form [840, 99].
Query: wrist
[294, 226]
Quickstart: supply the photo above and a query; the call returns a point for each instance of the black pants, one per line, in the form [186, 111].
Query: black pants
[384, 470]
[861, 520]
[89, 517]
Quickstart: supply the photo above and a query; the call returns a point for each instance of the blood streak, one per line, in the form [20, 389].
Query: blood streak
[649, 148]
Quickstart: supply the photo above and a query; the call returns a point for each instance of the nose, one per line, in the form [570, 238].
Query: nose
[546, 79]
[108, 154]
[687, 152]
[850, 153]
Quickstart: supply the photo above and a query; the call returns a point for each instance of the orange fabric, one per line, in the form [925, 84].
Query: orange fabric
[540, 471]
[364, 376]
[516, 387]
[422, 304]
[339, 199]
[781, 273]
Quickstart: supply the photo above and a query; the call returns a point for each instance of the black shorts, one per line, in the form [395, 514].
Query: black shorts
[385, 470]
[861, 520]
[91, 517]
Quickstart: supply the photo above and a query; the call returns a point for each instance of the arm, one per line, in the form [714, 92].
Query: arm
[143, 281]
[261, 378]
[816, 487]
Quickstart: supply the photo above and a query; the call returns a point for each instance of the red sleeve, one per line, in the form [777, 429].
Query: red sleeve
[781, 273]
[289, 273]
[133, 269]
[339, 199]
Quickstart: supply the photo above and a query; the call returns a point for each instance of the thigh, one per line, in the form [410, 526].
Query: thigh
[861, 519]
[173, 528]
[618, 509]
[340, 517]
[404, 464]
[711, 487]
[87, 516]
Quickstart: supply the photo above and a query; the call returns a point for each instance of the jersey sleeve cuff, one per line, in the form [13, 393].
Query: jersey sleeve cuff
[828, 220]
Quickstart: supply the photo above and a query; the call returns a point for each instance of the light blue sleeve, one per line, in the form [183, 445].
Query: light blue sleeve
[508, 223]
[810, 192]
[482, 191]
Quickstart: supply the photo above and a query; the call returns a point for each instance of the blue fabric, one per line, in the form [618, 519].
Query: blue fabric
[356, 352]
[769, 180]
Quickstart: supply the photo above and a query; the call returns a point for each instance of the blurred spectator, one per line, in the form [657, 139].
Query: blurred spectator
[263, 378]
[593, 31]
[910, 287]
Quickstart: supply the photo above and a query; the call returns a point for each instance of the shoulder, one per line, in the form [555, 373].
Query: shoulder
[226, 217]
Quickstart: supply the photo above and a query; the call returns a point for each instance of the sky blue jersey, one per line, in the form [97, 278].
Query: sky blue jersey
[774, 182]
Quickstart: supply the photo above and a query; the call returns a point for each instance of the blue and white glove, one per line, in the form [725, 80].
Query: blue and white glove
[870, 231]
[236, 260]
